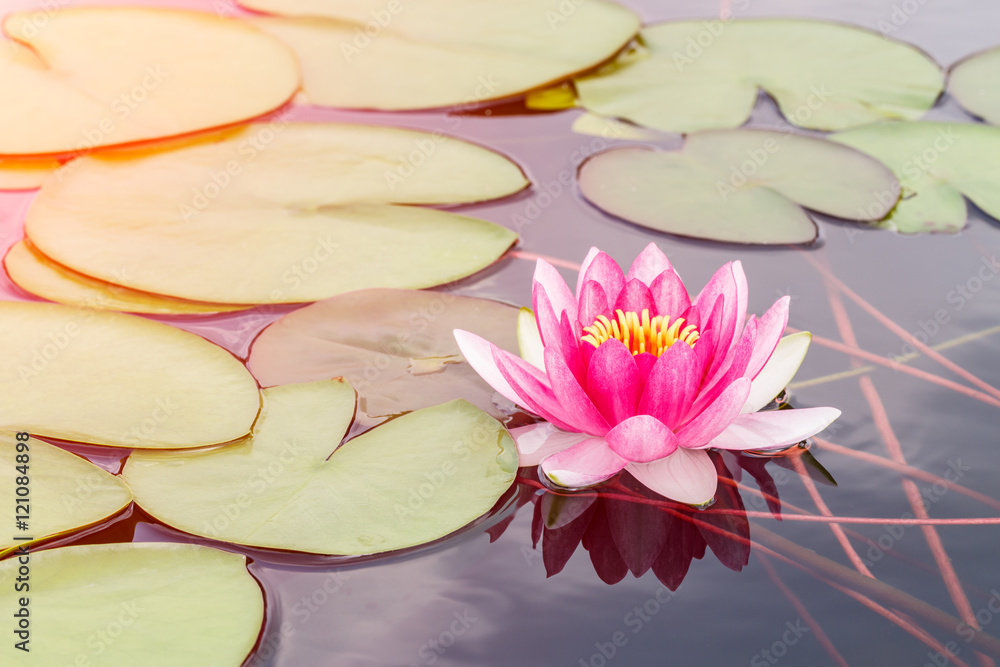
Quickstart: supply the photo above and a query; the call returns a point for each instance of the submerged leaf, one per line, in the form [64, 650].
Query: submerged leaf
[277, 213]
[105, 76]
[120, 605]
[118, 380]
[65, 491]
[975, 83]
[698, 75]
[436, 53]
[937, 163]
[395, 347]
[740, 186]
[410, 481]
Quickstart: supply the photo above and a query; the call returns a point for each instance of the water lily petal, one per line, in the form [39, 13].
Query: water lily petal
[584, 464]
[670, 296]
[769, 329]
[774, 428]
[581, 278]
[635, 297]
[536, 442]
[572, 397]
[593, 302]
[613, 381]
[650, 263]
[672, 385]
[731, 283]
[529, 341]
[531, 387]
[479, 353]
[644, 364]
[605, 271]
[687, 476]
[547, 278]
[733, 368]
[715, 418]
[558, 333]
[642, 439]
[778, 371]
[710, 334]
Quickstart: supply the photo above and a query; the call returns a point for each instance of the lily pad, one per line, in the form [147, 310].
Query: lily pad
[65, 492]
[437, 53]
[394, 346]
[410, 481]
[121, 605]
[698, 75]
[739, 186]
[975, 83]
[118, 380]
[35, 273]
[937, 163]
[25, 174]
[105, 76]
[277, 213]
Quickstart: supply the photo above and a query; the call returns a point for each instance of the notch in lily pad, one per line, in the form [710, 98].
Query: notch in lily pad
[413, 480]
[394, 346]
[67, 492]
[740, 186]
[938, 164]
[687, 76]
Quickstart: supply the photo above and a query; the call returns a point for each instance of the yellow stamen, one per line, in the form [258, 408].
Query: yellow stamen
[641, 333]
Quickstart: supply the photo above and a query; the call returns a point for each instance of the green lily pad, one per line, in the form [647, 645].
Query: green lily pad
[739, 186]
[394, 346]
[122, 605]
[410, 481]
[435, 53]
[975, 83]
[277, 213]
[698, 75]
[65, 492]
[118, 380]
[937, 163]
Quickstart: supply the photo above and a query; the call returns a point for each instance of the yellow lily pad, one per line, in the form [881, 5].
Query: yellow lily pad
[118, 380]
[63, 492]
[34, 272]
[105, 76]
[122, 605]
[370, 54]
[277, 213]
[410, 481]
[25, 174]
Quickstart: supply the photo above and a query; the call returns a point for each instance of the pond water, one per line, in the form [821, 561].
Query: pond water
[483, 597]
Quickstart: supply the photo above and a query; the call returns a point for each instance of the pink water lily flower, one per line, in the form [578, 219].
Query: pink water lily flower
[633, 374]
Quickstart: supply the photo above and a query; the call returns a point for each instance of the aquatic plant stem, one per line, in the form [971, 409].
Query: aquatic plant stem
[803, 612]
[907, 337]
[881, 419]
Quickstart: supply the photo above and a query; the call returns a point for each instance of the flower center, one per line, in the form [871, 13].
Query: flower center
[640, 333]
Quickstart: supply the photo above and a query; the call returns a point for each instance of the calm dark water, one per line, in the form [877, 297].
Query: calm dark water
[471, 601]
